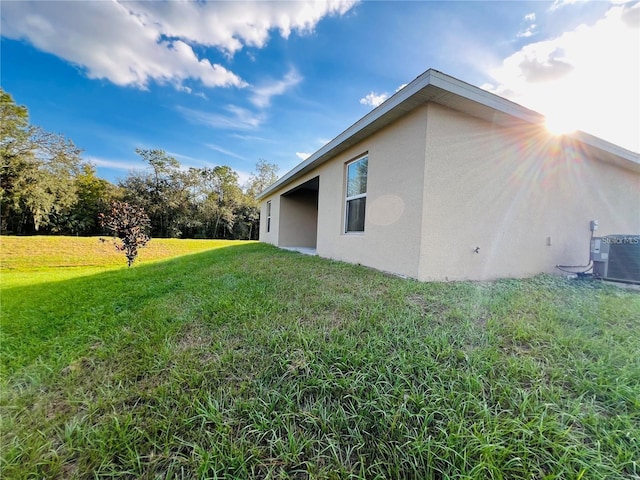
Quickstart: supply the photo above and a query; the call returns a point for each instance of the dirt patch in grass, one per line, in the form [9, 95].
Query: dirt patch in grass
[193, 336]
[428, 308]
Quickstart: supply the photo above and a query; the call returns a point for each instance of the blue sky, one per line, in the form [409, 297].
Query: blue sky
[228, 83]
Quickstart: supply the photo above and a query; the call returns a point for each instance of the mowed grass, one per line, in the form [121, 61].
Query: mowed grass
[41, 258]
[251, 362]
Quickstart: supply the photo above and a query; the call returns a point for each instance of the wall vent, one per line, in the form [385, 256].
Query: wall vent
[616, 257]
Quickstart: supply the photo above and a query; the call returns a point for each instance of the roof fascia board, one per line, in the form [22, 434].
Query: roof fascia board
[435, 79]
[626, 158]
[484, 97]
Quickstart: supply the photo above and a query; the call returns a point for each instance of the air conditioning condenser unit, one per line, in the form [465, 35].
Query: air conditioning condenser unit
[616, 258]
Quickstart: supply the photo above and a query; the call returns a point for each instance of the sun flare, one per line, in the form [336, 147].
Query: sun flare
[560, 125]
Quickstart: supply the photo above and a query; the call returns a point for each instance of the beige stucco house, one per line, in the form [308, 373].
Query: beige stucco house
[446, 181]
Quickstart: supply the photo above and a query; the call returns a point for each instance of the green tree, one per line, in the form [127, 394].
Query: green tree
[163, 165]
[38, 170]
[93, 196]
[14, 128]
[14, 133]
[223, 196]
[265, 175]
[198, 202]
[189, 216]
[161, 192]
[56, 163]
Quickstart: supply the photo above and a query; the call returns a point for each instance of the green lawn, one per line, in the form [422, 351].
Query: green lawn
[251, 362]
[50, 258]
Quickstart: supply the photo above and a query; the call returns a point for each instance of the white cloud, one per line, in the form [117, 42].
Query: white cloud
[116, 164]
[586, 78]
[262, 94]
[238, 118]
[527, 32]
[243, 176]
[303, 155]
[136, 163]
[224, 151]
[135, 43]
[374, 99]
[120, 48]
[252, 138]
[561, 3]
[187, 161]
[183, 157]
[230, 26]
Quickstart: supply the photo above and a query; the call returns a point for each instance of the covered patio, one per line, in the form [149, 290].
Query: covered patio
[299, 217]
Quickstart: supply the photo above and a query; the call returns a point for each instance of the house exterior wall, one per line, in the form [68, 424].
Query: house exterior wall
[272, 236]
[391, 240]
[511, 192]
[442, 184]
[391, 237]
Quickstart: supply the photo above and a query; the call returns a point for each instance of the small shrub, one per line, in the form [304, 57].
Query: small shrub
[130, 224]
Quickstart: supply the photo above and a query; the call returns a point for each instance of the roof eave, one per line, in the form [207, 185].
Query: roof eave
[435, 86]
[610, 152]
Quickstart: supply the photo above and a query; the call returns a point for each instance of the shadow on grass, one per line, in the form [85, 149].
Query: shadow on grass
[50, 321]
[51, 324]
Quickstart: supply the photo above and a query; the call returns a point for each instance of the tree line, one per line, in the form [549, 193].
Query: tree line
[47, 188]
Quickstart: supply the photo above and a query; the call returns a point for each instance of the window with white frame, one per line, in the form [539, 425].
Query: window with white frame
[269, 216]
[356, 195]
